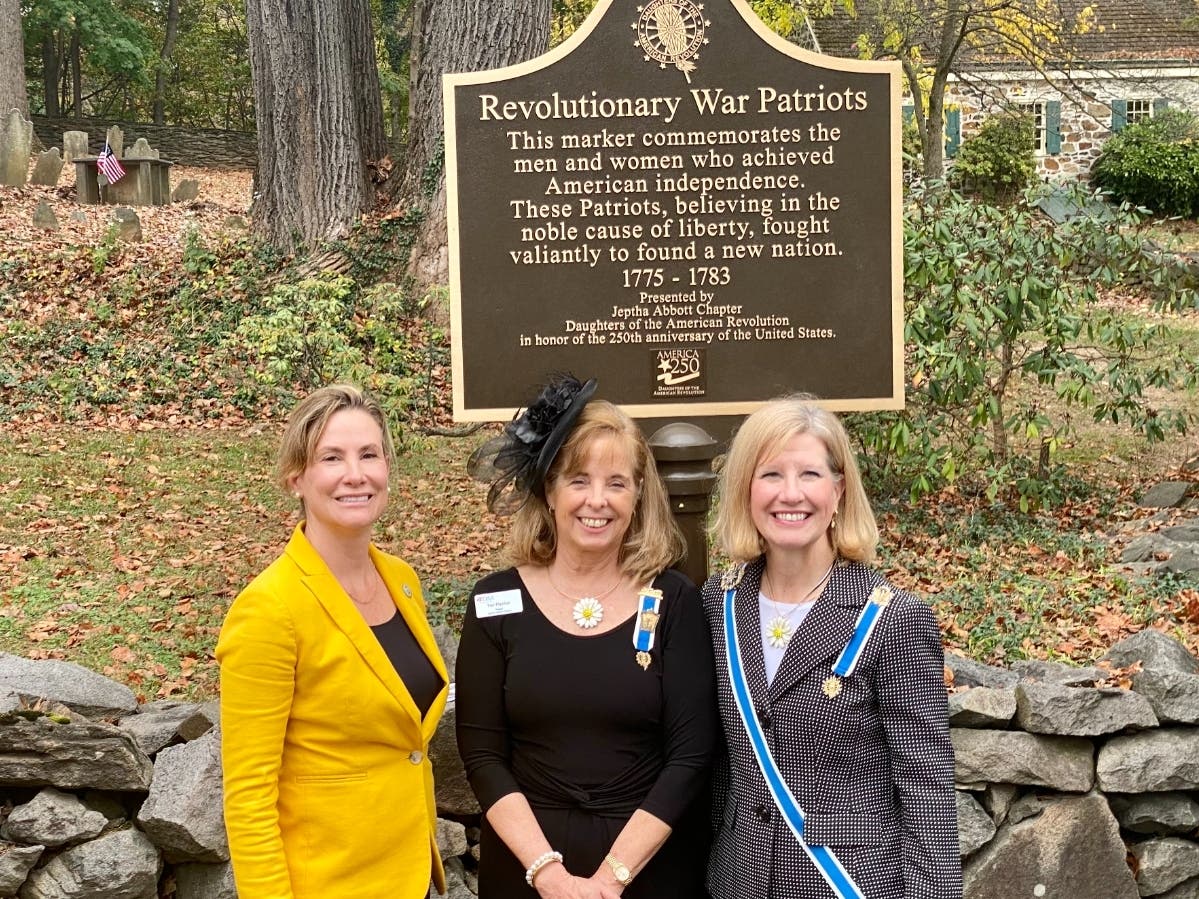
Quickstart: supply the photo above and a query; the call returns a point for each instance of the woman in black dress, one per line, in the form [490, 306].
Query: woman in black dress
[585, 682]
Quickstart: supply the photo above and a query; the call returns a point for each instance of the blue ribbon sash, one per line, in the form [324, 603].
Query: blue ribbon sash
[822, 857]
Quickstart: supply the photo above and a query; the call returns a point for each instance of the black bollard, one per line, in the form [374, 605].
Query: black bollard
[683, 453]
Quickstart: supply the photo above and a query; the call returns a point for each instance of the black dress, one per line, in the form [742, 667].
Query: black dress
[575, 724]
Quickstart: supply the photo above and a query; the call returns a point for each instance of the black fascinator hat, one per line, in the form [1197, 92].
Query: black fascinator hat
[517, 461]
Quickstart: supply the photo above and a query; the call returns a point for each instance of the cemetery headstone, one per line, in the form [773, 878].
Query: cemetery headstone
[185, 190]
[141, 149]
[686, 206]
[74, 145]
[44, 217]
[128, 225]
[48, 168]
[116, 140]
[16, 143]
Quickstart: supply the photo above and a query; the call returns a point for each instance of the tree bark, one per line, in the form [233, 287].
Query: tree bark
[76, 76]
[51, 72]
[164, 62]
[12, 59]
[312, 180]
[455, 36]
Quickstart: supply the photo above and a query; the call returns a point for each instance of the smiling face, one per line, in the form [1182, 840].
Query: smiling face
[794, 494]
[593, 505]
[344, 485]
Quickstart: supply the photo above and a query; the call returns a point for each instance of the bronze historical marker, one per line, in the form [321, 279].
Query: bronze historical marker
[682, 204]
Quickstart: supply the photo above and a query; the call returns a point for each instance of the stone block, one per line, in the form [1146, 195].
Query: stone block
[122, 864]
[116, 140]
[985, 707]
[1072, 849]
[1173, 695]
[77, 756]
[15, 864]
[1164, 863]
[454, 795]
[128, 225]
[1047, 708]
[53, 818]
[86, 692]
[1155, 651]
[1004, 756]
[1153, 761]
[183, 814]
[1167, 494]
[969, 673]
[198, 881]
[141, 149]
[1161, 814]
[157, 724]
[975, 827]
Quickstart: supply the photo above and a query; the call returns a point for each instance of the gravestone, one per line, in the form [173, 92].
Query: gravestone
[128, 225]
[16, 142]
[48, 168]
[682, 204]
[44, 217]
[74, 145]
[141, 149]
[116, 140]
[187, 189]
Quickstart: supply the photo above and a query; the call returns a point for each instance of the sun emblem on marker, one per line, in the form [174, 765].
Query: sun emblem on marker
[670, 32]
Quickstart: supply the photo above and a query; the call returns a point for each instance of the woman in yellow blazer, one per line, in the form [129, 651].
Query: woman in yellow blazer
[332, 684]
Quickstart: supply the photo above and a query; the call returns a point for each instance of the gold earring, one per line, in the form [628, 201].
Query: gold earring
[832, 525]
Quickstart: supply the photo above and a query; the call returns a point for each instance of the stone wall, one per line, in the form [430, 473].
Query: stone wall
[182, 146]
[1067, 787]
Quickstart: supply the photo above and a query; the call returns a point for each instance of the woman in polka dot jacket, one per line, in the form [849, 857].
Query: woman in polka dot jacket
[838, 780]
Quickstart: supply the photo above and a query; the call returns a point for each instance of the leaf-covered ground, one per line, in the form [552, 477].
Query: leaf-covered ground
[136, 496]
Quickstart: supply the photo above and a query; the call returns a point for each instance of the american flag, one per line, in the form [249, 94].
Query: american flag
[107, 163]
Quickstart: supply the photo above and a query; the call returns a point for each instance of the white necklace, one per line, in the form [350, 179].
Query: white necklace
[779, 630]
[587, 611]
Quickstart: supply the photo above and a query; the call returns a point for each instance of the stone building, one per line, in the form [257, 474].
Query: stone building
[1132, 60]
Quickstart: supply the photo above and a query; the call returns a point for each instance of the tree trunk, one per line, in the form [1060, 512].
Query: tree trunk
[50, 74]
[455, 36]
[164, 62]
[312, 181]
[12, 59]
[367, 93]
[76, 76]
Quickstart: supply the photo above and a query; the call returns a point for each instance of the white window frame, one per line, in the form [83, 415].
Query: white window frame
[1137, 109]
[1039, 110]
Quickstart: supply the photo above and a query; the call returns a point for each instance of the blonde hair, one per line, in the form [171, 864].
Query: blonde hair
[763, 435]
[309, 419]
[653, 541]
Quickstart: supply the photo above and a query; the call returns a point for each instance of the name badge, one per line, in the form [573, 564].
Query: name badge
[488, 605]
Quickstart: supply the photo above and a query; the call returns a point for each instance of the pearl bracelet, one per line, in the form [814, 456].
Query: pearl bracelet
[540, 862]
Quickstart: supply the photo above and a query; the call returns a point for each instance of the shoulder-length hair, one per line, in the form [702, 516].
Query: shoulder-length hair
[309, 419]
[653, 541]
[762, 436]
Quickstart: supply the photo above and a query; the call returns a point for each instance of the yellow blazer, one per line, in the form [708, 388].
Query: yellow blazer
[328, 784]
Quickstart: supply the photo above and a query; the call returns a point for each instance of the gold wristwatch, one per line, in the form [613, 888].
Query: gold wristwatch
[619, 870]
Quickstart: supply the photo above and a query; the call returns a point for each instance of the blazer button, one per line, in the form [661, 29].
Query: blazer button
[416, 757]
[764, 717]
[763, 813]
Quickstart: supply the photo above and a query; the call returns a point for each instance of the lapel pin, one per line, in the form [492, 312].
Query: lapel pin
[832, 686]
[643, 659]
[407, 591]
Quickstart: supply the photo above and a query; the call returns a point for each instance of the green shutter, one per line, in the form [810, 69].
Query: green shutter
[953, 132]
[1053, 127]
[1119, 115]
[1160, 105]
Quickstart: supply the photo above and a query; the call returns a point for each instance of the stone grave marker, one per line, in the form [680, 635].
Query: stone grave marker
[16, 143]
[116, 140]
[683, 204]
[185, 190]
[128, 225]
[74, 145]
[141, 149]
[44, 217]
[48, 168]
